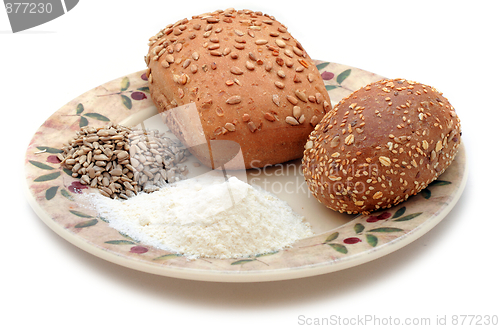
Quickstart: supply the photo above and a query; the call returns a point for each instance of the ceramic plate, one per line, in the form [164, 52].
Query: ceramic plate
[341, 241]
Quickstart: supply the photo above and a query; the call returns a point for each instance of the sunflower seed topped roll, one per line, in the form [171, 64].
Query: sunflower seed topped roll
[251, 82]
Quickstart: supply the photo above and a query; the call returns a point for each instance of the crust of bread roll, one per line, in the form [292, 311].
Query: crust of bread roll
[380, 145]
[250, 80]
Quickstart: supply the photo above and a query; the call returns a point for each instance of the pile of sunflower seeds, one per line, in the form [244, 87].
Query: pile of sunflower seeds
[121, 162]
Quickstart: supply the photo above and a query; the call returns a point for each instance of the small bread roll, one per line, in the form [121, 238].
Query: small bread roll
[251, 82]
[380, 145]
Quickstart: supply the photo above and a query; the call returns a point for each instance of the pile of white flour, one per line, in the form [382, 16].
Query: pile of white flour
[206, 217]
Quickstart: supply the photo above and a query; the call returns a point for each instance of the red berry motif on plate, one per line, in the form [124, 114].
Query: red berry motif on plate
[137, 95]
[53, 159]
[139, 250]
[327, 75]
[77, 187]
[352, 240]
[337, 79]
[382, 216]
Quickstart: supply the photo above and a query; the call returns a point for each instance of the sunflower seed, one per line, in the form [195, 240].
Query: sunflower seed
[252, 56]
[297, 112]
[250, 66]
[269, 117]
[297, 51]
[235, 70]
[280, 43]
[233, 100]
[335, 142]
[276, 100]
[186, 63]
[314, 121]
[301, 95]
[252, 126]
[302, 118]
[292, 100]
[170, 58]
[291, 121]
[230, 127]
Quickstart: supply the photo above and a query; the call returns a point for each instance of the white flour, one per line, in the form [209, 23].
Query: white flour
[206, 217]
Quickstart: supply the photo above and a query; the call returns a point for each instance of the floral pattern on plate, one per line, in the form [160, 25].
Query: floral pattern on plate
[52, 191]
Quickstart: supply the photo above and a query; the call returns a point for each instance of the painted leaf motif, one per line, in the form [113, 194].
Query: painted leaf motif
[439, 183]
[242, 261]
[103, 219]
[125, 84]
[125, 235]
[145, 89]
[386, 229]
[426, 193]
[322, 65]
[358, 228]
[96, 116]
[372, 240]
[267, 254]
[83, 122]
[339, 247]
[128, 237]
[86, 223]
[342, 76]
[332, 237]
[67, 195]
[80, 214]
[50, 150]
[167, 256]
[67, 172]
[79, 109]
[41, 165]
[47, 177]
[126, 101]
[399, 212]
[119, 242]
[408, 217]
[330, 87]
[50, 193]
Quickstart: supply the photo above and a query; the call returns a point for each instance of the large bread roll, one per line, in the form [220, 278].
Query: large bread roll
[251, 82]
[380, 145]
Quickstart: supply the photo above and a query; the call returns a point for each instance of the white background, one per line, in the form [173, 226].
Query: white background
[451, 270]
